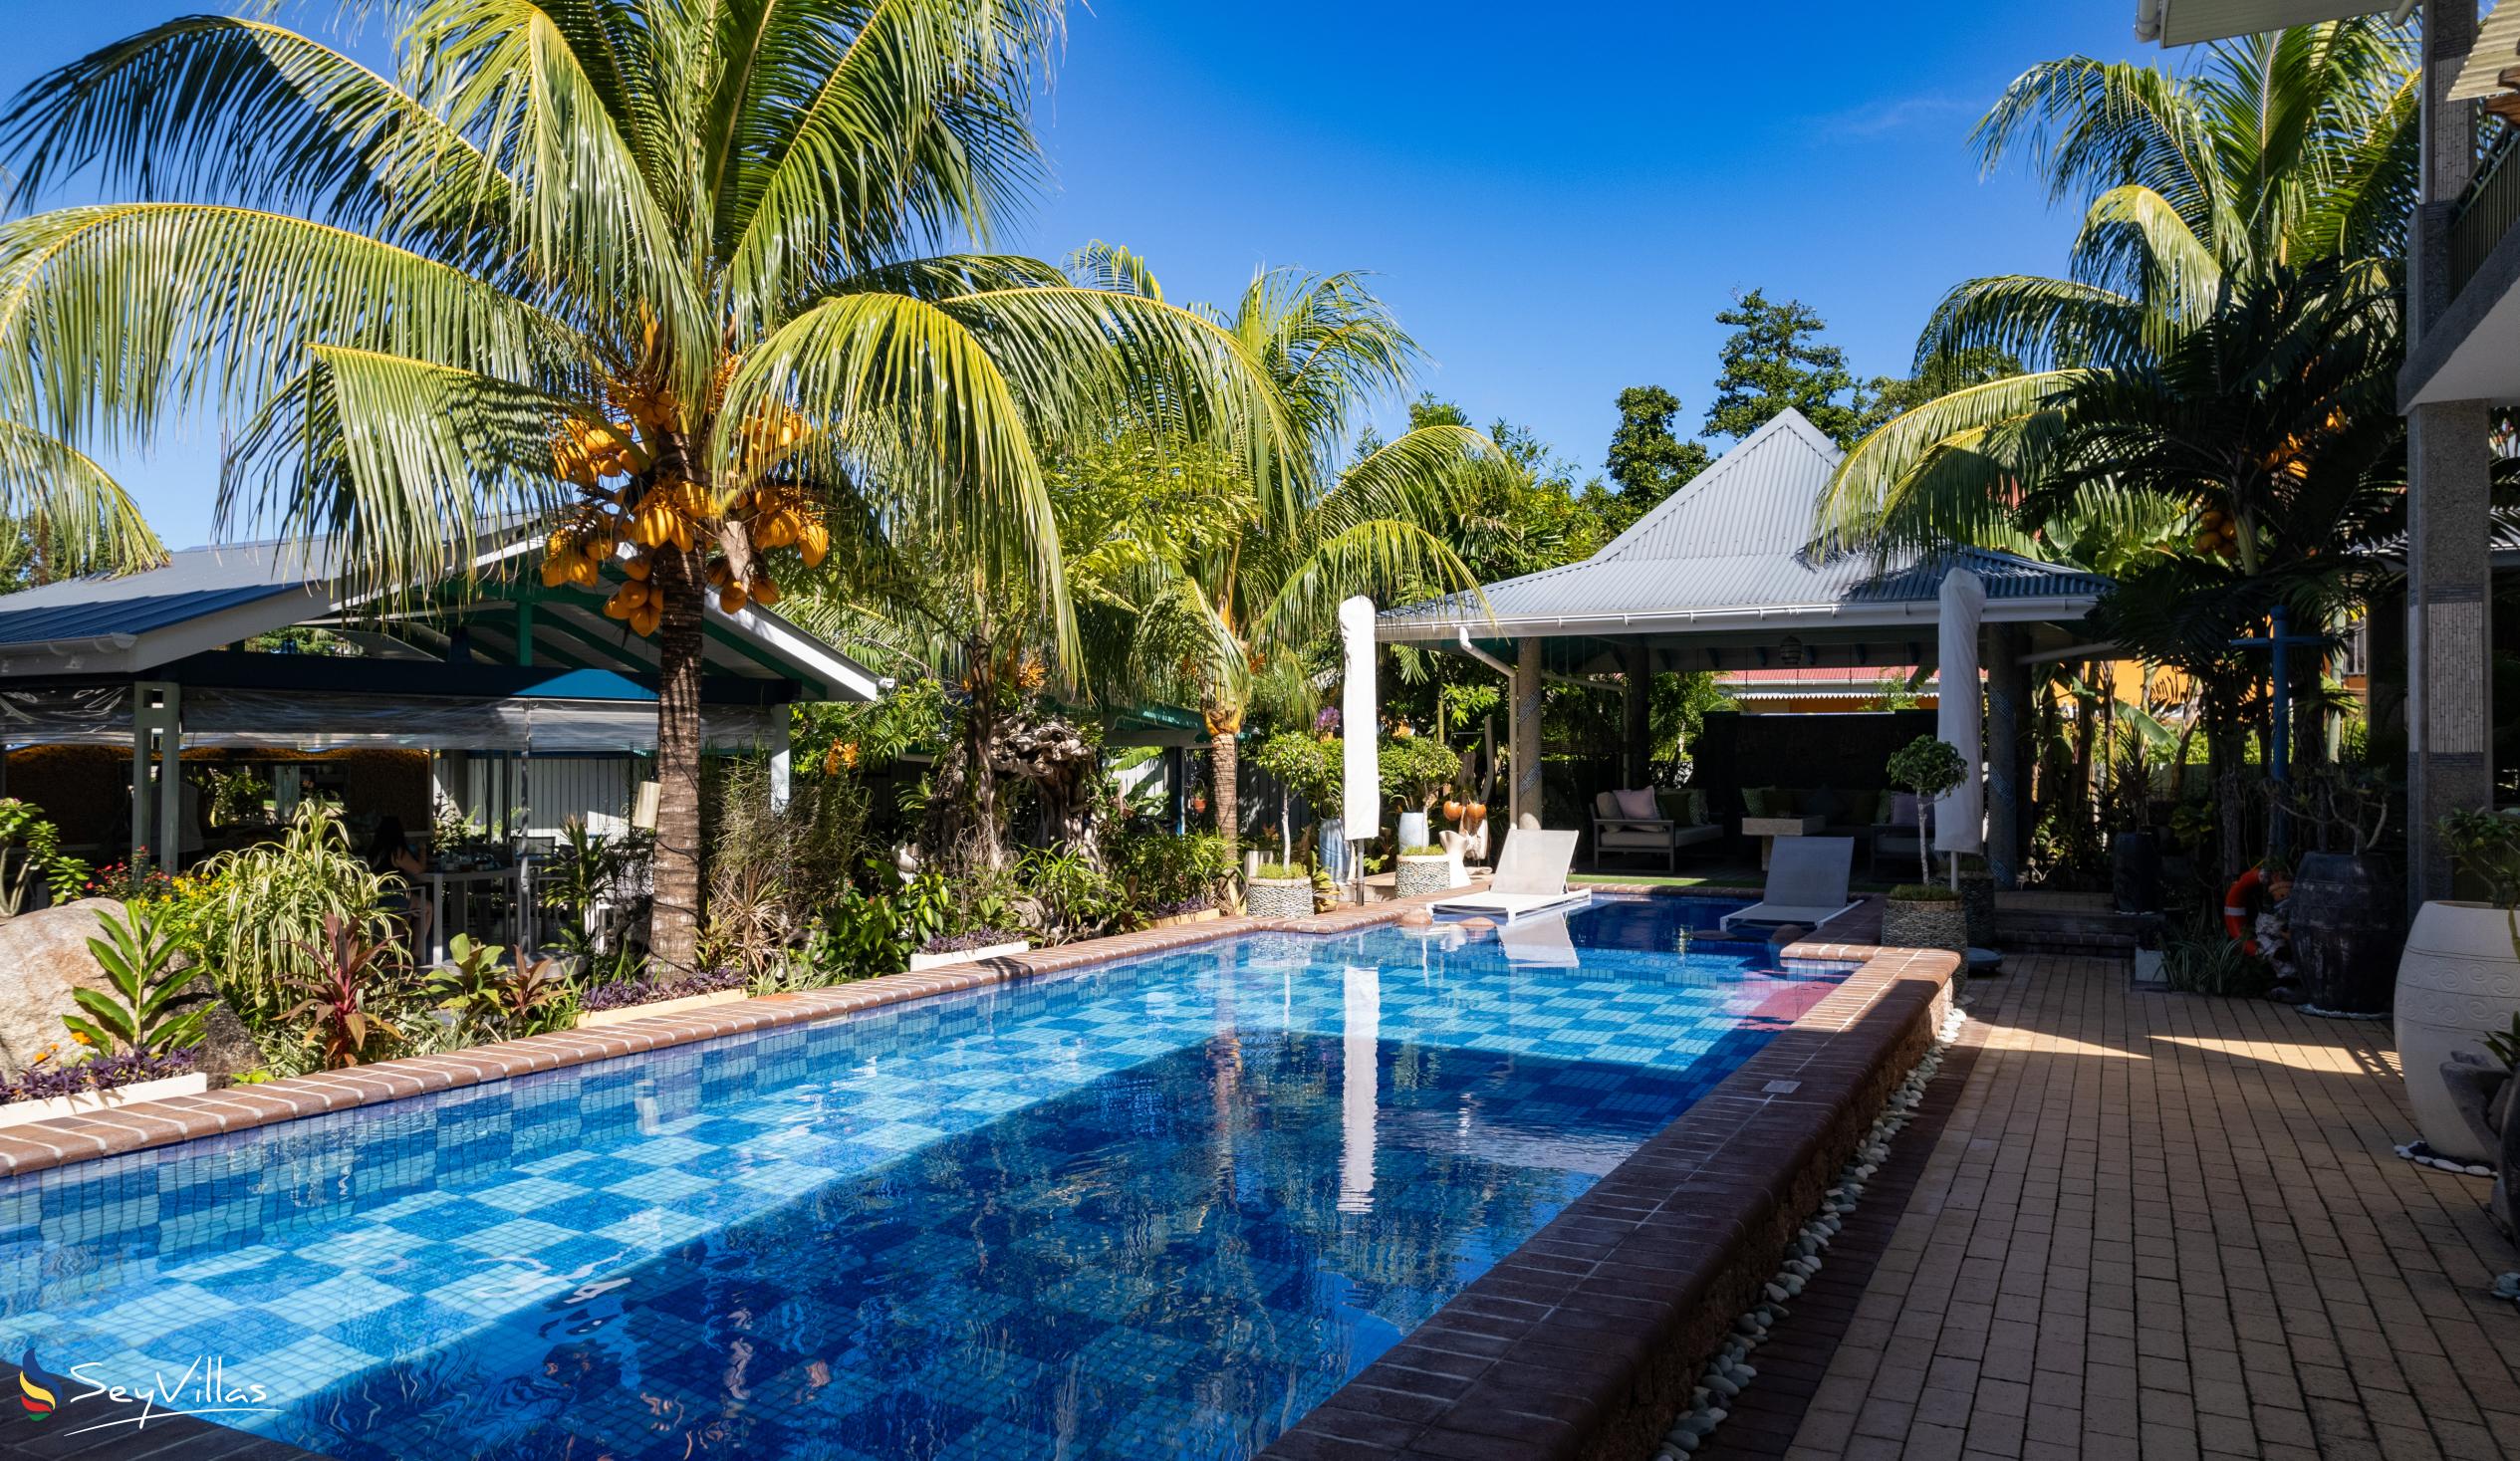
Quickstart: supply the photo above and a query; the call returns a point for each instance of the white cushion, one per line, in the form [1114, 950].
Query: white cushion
[1639, 802]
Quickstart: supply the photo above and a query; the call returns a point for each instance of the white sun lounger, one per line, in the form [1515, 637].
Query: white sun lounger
[1530, 878]
[1806, 882]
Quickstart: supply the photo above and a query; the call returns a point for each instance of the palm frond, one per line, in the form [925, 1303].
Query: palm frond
[406, 468]
[119, 316]
[2049, 323]
[1957, 462]
[77, 518]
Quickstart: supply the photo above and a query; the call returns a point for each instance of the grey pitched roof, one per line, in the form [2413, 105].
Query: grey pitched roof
[194, 583]
[1731, 547]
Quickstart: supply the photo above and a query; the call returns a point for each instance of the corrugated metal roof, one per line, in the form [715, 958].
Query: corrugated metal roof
[1733, 542]
[2497, 50]
[193, 583]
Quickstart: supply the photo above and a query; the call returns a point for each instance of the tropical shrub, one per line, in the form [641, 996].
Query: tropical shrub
[1309, 765]
[1075, 898]
[262, 917]
[1414, 769]
[334, 987]
[1173, 872]
[495, 1001]
[29, 851]
[149, 1006]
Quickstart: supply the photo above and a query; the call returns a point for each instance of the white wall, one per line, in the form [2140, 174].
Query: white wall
[552, 789]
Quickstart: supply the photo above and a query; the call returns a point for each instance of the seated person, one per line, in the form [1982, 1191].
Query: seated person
[391, 854]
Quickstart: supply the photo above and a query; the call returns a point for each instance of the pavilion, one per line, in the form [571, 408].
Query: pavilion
[1720, 577]
[531, 706]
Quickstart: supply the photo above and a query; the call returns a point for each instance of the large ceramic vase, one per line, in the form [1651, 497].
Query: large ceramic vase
[1331, 838]
[2457, 980]
[2344, 917]
[1413, 831]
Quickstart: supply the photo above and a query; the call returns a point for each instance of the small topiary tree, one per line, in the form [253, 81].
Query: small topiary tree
[1928, 768]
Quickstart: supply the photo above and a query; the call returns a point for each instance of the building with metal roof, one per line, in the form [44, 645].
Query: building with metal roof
[267, 648]
[1721, 576]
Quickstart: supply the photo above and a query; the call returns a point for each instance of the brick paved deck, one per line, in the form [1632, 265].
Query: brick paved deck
[2163, 1226]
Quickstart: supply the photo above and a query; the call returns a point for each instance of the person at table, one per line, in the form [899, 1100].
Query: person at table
[391, 856]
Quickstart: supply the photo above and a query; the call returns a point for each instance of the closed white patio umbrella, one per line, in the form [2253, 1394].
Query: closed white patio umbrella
[1959, 815]
[1360, 798]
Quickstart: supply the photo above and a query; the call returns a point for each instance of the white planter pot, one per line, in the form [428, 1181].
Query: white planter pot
[1278, 897]
[2457, 980]
[967, 956]
[99, 1103]
[662, 1007]
[1421, 875]
[1413, 831]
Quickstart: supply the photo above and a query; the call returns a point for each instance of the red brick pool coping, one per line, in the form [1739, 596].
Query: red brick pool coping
[1583, 1342]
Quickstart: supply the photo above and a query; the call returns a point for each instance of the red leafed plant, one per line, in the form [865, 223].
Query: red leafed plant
[335, 991]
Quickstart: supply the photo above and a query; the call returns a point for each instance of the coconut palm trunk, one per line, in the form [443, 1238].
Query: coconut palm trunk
[673, 930]
[1225, 756]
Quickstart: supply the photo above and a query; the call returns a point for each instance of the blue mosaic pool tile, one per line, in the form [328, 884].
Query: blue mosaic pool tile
[988, 1183]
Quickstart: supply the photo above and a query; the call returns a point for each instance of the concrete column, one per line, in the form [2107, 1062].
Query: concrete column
[2007, 735]
[2447, 157]
[1638, 662]
[156, 791]
[2449, 701]
[1524, 735]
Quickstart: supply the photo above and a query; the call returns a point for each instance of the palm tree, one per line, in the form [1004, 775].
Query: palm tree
[2222, 347]
[643, 277]
[1212, 609]
[2280, 151]
[62, 514]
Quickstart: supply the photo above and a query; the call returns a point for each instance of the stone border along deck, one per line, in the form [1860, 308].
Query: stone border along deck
[1585, 1342]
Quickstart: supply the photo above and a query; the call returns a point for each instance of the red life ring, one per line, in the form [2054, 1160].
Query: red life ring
[2235, 908]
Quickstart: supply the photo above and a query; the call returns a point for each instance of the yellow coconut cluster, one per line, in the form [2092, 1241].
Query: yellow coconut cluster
[673, 514]
[2217, 534]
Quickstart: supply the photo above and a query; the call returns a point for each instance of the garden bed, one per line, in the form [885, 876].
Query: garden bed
[99, 1103]
[676, 1005]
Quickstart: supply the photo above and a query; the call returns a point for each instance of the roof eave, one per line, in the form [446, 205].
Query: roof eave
[1898, 612]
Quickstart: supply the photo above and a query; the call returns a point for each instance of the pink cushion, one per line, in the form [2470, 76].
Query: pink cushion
[1639, 804]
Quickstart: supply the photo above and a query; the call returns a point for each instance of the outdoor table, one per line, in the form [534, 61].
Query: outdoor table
[464, 882]
[1768, 829]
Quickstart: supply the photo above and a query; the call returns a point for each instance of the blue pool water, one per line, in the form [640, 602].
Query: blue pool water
[1161, 1208]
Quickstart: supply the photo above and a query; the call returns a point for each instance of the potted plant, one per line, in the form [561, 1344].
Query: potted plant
[2460, 974]
[1423, 869]
[1414, 769]
[1279, 890]
[1309, 765]
[1928, 768]
[1925, 916]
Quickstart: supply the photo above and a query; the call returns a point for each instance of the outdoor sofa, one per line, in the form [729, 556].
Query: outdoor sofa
[1679, 820]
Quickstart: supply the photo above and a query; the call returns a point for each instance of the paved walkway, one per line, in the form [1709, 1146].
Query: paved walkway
[2171, 1226]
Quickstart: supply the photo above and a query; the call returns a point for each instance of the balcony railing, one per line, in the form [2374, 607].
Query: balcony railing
[2489, 207]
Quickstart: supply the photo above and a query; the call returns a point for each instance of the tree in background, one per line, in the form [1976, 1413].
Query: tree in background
[1775, 359]
[1645, 459]
[1215, 615]
[637, 273]
[2219, 359]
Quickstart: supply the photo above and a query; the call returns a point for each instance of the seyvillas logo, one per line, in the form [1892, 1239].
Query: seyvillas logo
[38, 1399]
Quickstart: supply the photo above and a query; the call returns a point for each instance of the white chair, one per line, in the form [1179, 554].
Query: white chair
[1806, 882]
[1530, 878]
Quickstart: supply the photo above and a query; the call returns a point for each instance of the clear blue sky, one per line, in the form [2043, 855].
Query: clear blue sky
[1555, 198]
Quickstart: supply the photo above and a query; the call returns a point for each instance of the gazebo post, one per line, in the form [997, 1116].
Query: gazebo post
[1522, 733]
[1636, 659]
[2007, 692]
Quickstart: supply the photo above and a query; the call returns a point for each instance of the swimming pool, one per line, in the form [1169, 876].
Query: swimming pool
[1160, 1207]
